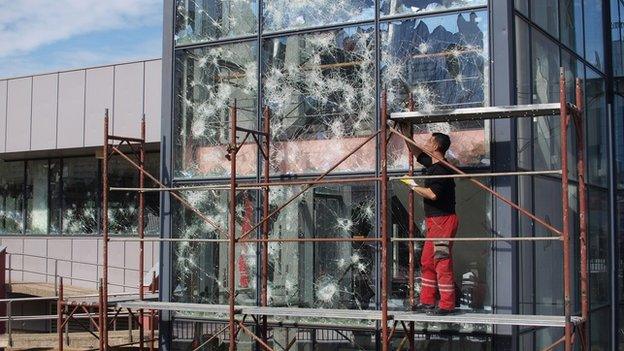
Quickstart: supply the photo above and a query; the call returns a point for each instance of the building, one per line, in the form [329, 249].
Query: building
[321, 67]
[51, 126]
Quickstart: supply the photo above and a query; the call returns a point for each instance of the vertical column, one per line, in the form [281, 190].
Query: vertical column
[232, 228]
[566, 205]
[104, 305]
[582, 194]
[383, 213]
[141, 231]
[266, 172]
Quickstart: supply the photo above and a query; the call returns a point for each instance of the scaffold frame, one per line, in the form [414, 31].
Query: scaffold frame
[239, 318]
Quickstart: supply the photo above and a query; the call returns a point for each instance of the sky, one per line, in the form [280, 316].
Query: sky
[39, 36]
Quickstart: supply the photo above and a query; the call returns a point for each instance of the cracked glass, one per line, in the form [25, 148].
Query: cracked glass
[208, 81]
[207, 20]
[320, 88]
[293, 14]
[442, 62]
[402, 7]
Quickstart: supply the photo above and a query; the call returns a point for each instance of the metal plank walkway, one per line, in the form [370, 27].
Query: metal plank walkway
[399, 316]
[477, 113]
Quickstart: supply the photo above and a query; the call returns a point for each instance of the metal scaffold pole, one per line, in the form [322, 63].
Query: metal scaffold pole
[232, 229]
[383, 188]
[104, 305]
[141, 231]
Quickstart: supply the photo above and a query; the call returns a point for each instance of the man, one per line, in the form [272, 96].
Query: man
[441, 222]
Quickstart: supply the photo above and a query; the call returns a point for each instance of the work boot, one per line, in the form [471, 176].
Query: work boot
[423, 308]
[440, 312]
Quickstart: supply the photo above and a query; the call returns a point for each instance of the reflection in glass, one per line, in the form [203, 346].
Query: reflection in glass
[544, 13]
[443, 63]
[288, 14]
[598, 247]
[320, 88]
[204, 20]
[37, 214]
[11, 197]
[394, 7]
[596, 129]
[56, 202]
[594, 34]
[571, 13]
[80, 195]
[208, 80]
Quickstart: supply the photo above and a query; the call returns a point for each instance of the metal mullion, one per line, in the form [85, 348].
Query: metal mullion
[216, 42]
[316, 29]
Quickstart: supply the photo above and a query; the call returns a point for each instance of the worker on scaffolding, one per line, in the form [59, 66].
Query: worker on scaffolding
[441, 222]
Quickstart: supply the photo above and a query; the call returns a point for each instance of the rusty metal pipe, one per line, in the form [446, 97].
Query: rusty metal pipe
[383, 218]
[266, 177]
[141, 231]
[104, 305]
[411, 229]
[232, 230]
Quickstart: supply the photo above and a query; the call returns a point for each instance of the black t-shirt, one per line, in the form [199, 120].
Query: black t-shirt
[444, 188]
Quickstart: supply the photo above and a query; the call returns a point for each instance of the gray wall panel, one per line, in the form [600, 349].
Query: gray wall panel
[3, 106]
[70, 131]
[44, 99]
[128, 107]
[153, 92]
[99, 96]
[18, 114]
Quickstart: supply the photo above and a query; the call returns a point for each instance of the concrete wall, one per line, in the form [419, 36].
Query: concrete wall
[77, 260]
[65, 109]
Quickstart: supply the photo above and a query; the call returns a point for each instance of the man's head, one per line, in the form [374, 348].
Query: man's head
[439, 142]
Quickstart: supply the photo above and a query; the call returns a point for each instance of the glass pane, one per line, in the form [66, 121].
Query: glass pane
[394, 7]
[205, 20]
[37, 214]
[285, 14]
[443, 63]
[200, 269]
[208, 80]
[596, 129]
[594, 34]
[11, 197]
[600, 327]
[522, 6]
[616, 38]
[571, 12]
[152, 199]
[545, 69]
[56, 202]
[471, 260]
[598, 251]
[544, 13]
[80, 195]
[523, 63]
[330, 274]
[123, 207]
[320, 88]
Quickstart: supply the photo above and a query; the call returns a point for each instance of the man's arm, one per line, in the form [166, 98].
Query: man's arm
[427, 193]
[406, 130]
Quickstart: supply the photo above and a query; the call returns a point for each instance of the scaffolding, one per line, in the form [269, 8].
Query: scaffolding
[242, 318]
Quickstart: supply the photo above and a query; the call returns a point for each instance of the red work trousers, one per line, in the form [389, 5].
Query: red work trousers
[437, 263]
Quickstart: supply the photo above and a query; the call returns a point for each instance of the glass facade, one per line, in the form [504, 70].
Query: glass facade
[320, 67]
[61, 196]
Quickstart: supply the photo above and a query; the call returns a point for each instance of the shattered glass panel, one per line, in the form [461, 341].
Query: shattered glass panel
[320, 88]
[334, 274]
[291, 14]
[205, 20]
[443, 63]
[200, 269]
[11, 197]
[471, 260]
[400, 7]
[81, 185]
[209, 80]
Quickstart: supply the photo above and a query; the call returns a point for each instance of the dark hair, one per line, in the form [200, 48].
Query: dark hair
[443, 141]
